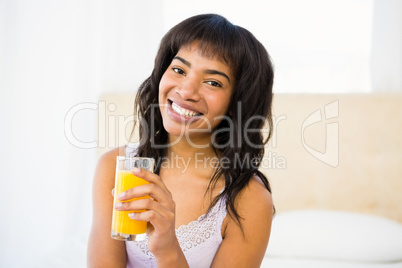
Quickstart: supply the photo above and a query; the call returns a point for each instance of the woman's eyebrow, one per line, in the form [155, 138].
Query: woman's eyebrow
[217, 72]
[183, 60]
[206, 71]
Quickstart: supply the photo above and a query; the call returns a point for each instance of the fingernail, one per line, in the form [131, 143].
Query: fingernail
[118, 205]
[131, 215]
[121, 195]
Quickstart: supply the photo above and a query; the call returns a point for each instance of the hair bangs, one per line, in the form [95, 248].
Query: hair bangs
[217, 38]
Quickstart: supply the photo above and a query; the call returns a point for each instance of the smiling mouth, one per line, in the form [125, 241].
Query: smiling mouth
[182, 111]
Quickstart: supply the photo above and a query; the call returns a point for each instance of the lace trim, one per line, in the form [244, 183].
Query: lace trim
[198, 231]
[191, 235]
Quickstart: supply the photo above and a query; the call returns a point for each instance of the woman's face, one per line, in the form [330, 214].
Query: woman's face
[194, 93]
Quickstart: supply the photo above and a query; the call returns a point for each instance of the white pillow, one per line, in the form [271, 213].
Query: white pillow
[335, 235]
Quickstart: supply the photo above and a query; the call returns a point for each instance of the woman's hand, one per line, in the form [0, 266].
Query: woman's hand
[160, 213]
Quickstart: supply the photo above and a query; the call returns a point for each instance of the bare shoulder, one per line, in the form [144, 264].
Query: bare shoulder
[255, 208]
[256, 189]
[109, 158]
[257, 196]
[105, 169]
[102, 250]
[254, 205]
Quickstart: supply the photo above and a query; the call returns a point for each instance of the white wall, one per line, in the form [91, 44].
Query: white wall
[317, 46]
[57, 54]
[386, 56]
[54, 55]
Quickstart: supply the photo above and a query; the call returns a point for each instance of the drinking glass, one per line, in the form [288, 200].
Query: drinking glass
[123, 227]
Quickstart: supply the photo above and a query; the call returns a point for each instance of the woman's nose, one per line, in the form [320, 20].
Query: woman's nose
[189, 90]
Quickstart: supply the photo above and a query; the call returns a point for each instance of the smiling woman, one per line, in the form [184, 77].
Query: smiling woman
[194, 90]
[210, 76]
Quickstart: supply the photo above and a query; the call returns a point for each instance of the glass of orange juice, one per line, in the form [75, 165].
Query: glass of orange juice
[123, 227]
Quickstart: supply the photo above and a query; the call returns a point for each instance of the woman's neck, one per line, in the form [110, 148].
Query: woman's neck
[192, 152]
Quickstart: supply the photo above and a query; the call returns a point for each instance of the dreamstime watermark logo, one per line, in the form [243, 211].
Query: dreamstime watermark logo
[112, 128]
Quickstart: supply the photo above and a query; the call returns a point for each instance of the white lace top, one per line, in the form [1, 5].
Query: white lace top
[199, 240]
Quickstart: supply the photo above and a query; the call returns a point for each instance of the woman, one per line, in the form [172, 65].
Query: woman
[202, 114]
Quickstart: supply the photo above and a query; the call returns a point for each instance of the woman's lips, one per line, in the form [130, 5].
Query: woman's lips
[183, 106]
[182, 114]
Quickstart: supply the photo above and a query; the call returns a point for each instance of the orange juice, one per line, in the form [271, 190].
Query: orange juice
[121, 223]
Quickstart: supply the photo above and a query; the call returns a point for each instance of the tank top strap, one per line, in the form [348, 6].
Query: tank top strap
[131, 149]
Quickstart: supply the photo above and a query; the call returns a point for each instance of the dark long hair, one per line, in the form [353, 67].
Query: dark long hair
[250, 104]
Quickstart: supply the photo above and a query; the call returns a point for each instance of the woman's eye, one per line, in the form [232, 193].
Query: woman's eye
[178, 70]
[214, 84]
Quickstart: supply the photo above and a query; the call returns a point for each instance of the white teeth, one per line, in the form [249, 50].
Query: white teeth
[183, 112]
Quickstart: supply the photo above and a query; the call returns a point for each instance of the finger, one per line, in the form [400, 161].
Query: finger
[146, 204]
[161, 218]
[140, 204]
[151, 190]
[159, 222]
[149, 177]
